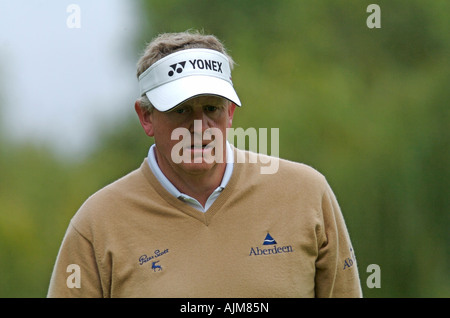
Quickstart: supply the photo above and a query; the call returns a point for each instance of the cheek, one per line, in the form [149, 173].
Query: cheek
[166, 138]
[164, 145]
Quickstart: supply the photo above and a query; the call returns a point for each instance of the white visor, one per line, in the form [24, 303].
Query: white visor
[186, 74]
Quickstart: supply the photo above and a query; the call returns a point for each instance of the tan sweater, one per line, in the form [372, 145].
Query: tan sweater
[267, 235]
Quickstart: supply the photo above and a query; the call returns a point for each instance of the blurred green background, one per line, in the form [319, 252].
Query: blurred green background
[369, 108]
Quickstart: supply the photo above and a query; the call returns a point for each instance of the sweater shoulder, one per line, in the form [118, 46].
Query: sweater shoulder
[288, 167]
[105, 203]
[282, 170]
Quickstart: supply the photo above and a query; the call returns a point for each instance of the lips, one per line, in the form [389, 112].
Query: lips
[199, 144]
[203, 146]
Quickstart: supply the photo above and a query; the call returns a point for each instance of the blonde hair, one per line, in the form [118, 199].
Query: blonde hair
[168, 43]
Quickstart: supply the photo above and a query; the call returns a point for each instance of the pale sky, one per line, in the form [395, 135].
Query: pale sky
[57, 84]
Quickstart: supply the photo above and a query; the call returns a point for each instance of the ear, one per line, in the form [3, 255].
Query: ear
[145, 118]
[231, 108]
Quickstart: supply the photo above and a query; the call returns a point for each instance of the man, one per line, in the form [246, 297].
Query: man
[198, 218]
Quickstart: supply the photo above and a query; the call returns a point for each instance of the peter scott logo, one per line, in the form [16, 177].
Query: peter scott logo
[151, 258]
[196, 65]
[269, 240]
[156, 267]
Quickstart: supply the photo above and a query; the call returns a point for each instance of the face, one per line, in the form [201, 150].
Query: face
[190, 139]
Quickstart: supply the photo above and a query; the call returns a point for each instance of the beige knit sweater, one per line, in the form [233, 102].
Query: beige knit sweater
[267, 235]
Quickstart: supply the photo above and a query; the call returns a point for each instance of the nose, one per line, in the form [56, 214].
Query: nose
[199, 122]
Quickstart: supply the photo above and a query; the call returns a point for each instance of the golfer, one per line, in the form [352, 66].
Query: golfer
[198, 218]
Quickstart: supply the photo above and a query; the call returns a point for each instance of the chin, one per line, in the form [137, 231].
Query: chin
[197, 168]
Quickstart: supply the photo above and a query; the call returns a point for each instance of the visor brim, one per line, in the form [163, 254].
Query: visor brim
[170, 95]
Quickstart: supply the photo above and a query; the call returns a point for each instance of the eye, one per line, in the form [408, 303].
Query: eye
[210, 108]
[180, 110]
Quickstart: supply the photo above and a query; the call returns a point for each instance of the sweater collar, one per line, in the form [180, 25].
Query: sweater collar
[182, 196]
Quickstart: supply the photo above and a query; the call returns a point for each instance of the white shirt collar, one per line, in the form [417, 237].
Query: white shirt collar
[184, 197]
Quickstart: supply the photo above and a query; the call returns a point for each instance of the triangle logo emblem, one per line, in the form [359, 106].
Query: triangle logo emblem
[269, 240]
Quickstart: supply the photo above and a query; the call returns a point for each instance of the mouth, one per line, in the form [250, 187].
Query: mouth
[198, 147]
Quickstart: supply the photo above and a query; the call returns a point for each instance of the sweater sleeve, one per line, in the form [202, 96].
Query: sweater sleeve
[336, 268]
[75, 273]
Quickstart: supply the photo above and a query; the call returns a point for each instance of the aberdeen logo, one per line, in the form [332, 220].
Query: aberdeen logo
[269, 240]
[178, 69]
